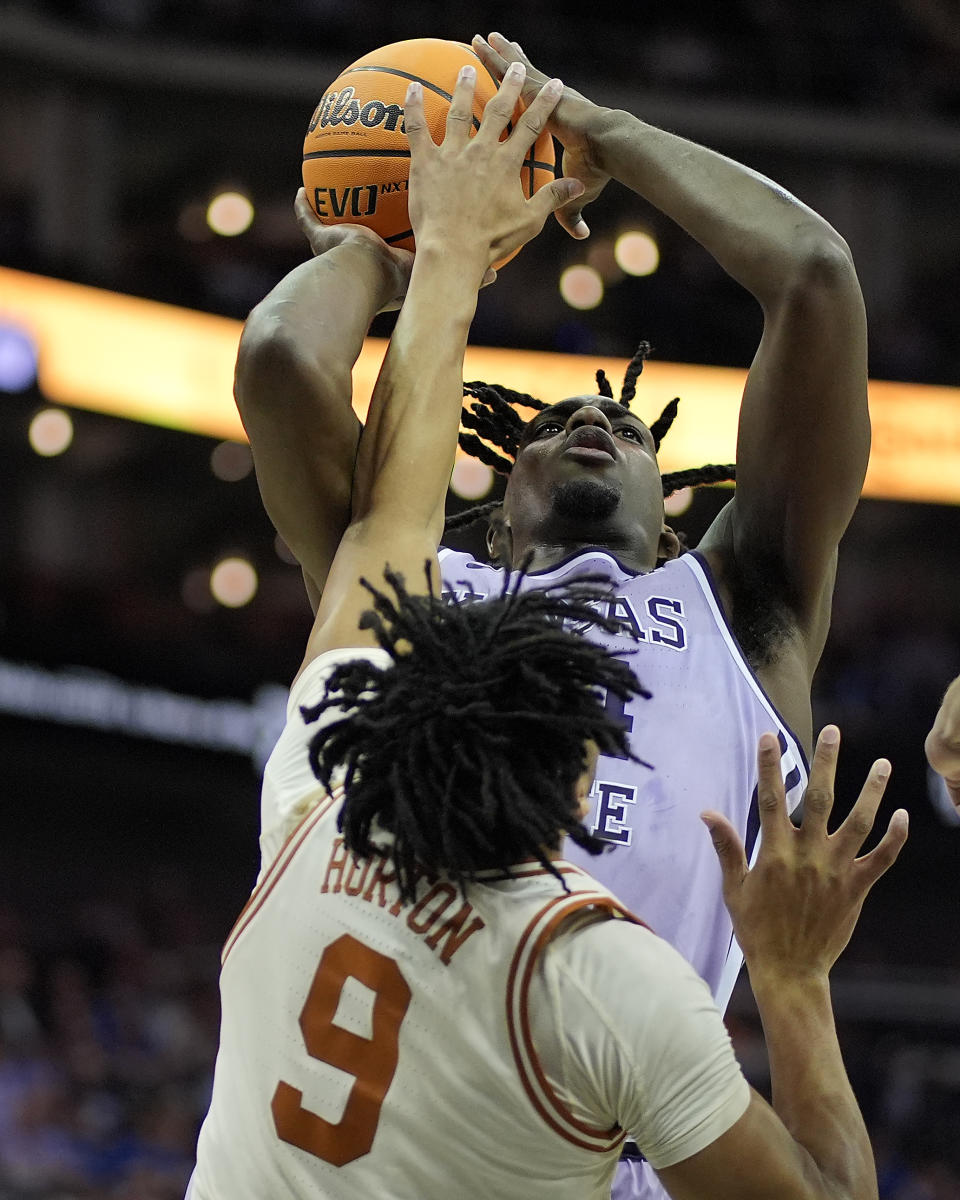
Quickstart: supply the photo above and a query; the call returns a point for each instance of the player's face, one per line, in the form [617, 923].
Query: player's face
[587, 472]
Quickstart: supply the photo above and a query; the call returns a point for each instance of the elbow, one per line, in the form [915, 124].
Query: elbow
[274, 369]
[819, 285]
[823, 263]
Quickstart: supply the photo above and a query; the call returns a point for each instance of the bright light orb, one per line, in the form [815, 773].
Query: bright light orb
[636, 253]
[581, 287]
[471, 480]
[231, 461]
[18, 360]
[233, 582]
[230, 214]
[51, 432]
[678, 503]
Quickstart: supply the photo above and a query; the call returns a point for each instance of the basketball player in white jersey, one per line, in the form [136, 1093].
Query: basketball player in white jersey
[943, 742]
[422, 999]
[729, 636]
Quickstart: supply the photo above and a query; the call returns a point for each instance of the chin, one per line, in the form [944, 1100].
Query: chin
[586, 499]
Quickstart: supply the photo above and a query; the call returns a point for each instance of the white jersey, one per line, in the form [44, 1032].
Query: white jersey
[498, 1043]
[699, 734]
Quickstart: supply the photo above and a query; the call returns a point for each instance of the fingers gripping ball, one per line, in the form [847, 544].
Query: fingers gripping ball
[356, 158]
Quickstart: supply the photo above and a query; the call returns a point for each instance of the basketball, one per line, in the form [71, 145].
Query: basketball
[356, 158]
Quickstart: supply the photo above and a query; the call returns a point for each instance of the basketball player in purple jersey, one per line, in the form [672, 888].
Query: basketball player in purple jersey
[729, 636]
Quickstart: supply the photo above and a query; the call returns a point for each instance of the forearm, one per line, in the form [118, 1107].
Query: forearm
[811, 1092]
[293, 389]
[757, 231]
[415, 408]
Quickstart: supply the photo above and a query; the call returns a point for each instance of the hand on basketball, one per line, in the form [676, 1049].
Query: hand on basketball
[571, 122]
[321, 238]
[466, 196]
[398, 263]
[943, 742]
[795, 909]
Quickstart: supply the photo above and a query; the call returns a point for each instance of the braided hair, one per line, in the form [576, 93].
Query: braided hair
[467, 748]
[491, 413]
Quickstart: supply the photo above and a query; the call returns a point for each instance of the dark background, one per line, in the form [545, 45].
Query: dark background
[124, 859]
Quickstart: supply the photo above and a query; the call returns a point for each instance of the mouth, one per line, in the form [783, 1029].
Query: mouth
[589, 443]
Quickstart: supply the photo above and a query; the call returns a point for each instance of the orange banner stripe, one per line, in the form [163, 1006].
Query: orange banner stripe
[174, 367]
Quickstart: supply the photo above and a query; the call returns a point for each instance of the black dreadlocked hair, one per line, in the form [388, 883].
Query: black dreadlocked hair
[468, 747]
[491, 412]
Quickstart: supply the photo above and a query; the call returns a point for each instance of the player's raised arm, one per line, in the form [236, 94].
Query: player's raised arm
[804, 429]
[293, 382]
[793, 914]
[943, 742]
[468, 210]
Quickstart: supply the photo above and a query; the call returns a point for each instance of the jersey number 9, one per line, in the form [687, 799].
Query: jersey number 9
[372, 1061]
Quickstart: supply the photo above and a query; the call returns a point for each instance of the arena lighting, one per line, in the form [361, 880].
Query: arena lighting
[169, 366]
[471, 480]
[50, 432]
[231, 461]
[233, 582]
[230, 214]
[636, 253]
[678, 503]
[581, 287]
[18, 360]
[602, 257]
[93, 700]
[192, 223]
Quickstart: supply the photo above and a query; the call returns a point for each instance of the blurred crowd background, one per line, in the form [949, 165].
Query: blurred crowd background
[129, 841]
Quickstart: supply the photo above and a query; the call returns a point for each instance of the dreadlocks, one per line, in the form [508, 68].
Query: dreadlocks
[491, 413]
[468, 747]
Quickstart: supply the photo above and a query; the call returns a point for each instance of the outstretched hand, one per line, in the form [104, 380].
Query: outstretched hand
[466, 195]
[795, 910]
[572, 122]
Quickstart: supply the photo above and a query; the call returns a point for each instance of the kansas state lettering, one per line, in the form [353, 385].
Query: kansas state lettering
[661, 621]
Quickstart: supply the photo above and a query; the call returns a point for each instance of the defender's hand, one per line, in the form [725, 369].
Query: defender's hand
[794, 912]
[573, 123]
[943, 742]
[466, 195]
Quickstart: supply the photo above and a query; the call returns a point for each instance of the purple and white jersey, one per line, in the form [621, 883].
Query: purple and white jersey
[699, 734]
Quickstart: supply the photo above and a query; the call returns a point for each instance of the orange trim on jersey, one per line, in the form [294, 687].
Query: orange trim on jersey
[535, 868]
[609, 1138]
[277, 868]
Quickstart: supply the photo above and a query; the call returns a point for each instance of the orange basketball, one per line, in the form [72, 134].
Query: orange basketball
[356, 158]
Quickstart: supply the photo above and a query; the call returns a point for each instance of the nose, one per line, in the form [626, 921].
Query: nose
[588, 415]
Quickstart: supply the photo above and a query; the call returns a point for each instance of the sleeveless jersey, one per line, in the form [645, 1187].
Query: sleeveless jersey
[698, 733]
[374, 1048]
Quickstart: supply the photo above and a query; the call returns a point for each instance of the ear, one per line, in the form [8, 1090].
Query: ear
[669, 545]
[499, 539]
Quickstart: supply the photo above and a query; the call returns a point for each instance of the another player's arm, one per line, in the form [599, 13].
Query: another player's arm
[793, 914]
[804, 433]
[293, 383]
[468, 210]
[943, 742]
